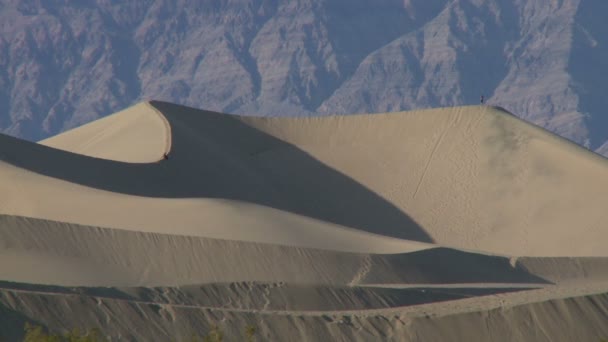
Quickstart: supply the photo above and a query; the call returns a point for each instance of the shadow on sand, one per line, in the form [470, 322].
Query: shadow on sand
[216, 155]
[450, 266]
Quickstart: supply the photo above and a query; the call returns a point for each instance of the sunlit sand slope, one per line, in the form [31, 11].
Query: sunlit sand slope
[139, 134]
[470, 177]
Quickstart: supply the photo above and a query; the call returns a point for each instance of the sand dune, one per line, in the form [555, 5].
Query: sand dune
[476, 178]
[390, 215]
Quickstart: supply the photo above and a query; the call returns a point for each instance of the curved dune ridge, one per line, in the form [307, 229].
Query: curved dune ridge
[139, 134]
[170, 205]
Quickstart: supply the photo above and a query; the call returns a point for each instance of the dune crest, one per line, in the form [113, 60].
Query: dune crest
[139, 134]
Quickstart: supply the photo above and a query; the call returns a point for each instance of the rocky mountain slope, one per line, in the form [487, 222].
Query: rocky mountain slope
[64, 63]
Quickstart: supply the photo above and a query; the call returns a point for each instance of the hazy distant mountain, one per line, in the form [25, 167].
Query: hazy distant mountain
[64, 63]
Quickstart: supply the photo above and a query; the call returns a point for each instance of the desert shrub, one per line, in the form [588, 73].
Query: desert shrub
[215, 335]
[249, 333]
[34, 333]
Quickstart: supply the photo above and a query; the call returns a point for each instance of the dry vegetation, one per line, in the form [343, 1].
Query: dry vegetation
[36, 333]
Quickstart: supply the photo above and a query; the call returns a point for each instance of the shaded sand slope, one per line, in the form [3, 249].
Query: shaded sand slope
[468, 177]
[72, 255]
[490, 318]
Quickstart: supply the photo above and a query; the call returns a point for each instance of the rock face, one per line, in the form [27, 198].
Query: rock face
[64, 63]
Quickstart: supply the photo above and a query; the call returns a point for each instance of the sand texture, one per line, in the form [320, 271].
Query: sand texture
[161, 220]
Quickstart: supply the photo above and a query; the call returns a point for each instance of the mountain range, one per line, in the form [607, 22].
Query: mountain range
[64, 63]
